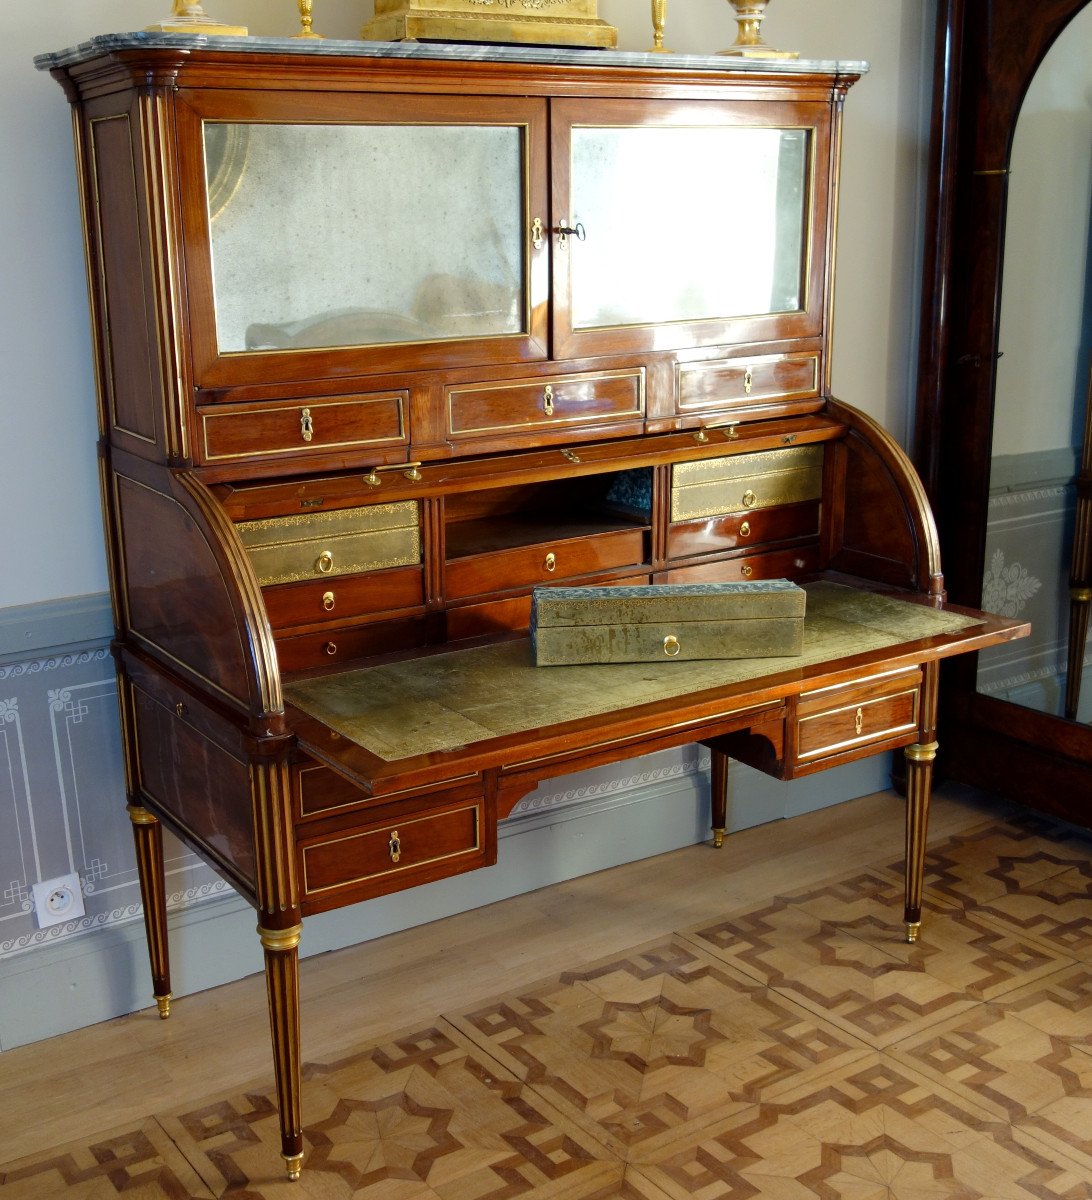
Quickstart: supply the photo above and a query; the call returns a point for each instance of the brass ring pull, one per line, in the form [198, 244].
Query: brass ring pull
[394, 846]
[330, 648]
[548, 400]
[671, 645]
[551, 561]
[749, 499]
[307, 426]
[328, 601]
[747, 572]
[745, 529]
[324, 564]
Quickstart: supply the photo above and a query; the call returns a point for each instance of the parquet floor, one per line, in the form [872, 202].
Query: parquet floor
[790, 1046]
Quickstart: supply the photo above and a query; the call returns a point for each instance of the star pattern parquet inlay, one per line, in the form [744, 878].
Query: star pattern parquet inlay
[793, 1050]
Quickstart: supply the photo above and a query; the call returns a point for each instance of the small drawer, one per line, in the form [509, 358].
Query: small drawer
[732, 483]
[321, 793]
[327, 648]
[555, 402]
[236, 432]
[779, 564]
[328, 544]
[835, 721]
[737, 531]
[543, 562]
[728, 383]
[292, 604]
[416, 842]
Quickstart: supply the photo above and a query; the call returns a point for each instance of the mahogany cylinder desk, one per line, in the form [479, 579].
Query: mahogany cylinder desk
[389, 335]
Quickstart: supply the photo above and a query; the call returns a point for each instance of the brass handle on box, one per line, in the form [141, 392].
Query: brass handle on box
[749, 499]
[307, 425]
[394, 846]
[408, 469]
[671, 645]
[324, 564]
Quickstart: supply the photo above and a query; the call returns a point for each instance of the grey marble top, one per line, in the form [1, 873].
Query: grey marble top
[110, 43]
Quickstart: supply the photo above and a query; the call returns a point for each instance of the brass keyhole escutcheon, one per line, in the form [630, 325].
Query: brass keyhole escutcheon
[307, 426]
[394, 846]
[551, 561]
[548, 400]
[180, 709]
[745, 529]
[749, 499]
[858, 721]
[747, 572]
[748, 380]
[538, 233]
[671, 645]
[328, 601]
[324, 564]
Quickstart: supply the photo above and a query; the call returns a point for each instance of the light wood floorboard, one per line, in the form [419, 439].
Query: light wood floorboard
[123, 1069]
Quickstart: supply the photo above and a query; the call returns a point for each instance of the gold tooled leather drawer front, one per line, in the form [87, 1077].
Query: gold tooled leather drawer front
[328, 544]
[236, 432]
[517, 406]
[745, 482]
[835, 721]
[727, 383]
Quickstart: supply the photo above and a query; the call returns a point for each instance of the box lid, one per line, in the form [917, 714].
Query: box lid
[644, 603]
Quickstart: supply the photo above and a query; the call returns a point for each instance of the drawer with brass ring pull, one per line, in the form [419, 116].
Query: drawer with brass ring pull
[292, 605]
[710, 486]
[742, 530]
[331, 543]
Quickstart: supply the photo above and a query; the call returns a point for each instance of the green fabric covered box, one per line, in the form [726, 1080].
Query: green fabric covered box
[666, 622]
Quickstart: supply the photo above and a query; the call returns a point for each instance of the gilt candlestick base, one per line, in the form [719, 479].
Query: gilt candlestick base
[189, 16]
[749, 42]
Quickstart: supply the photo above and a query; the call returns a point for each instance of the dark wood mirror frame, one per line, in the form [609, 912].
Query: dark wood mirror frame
[987, 53]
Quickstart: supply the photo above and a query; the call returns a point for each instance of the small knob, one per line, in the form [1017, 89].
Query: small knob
[671, 645]
[324, 564]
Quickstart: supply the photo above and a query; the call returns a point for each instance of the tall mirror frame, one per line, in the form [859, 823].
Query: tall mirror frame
[987, 53]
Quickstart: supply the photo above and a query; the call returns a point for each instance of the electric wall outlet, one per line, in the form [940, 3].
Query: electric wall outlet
[57, 900]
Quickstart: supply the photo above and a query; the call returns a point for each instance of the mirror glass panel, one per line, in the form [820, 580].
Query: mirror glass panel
[687, 224]
[363, 235]
[1032, 544]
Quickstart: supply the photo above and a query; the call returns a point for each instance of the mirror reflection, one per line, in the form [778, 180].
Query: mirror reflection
[364, 234]
[1036, 549]
[635, 267]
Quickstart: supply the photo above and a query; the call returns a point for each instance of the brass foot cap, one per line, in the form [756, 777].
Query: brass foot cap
[163, 1003]
[718, 839]
[294, 1165]
[913, 930]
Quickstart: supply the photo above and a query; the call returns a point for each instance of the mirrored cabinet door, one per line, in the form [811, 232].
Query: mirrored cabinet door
[696, 219]
[386, 240]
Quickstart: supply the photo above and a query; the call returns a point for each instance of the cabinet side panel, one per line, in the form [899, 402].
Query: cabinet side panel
[175, 601]
[129, 341]
[202, 789]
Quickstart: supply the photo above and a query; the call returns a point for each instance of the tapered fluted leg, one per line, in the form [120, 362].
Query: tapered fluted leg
[718, 779]
[283, 989]
[1080, 604]
[148, 836]
[919, 788]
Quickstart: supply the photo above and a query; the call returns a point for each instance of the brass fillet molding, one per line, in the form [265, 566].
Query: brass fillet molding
[280, 939]
[140, 815]
[922, 752]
